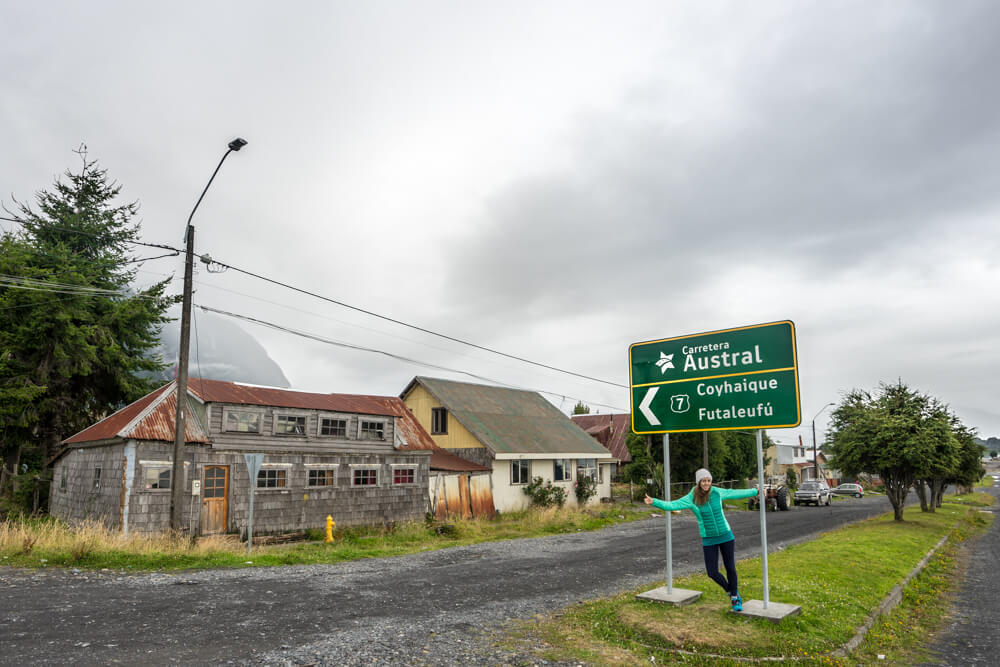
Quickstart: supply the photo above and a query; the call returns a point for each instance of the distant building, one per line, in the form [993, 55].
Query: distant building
[611, 431]
[517, 434]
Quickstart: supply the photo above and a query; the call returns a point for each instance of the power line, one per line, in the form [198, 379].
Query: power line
[209, 260]
[361, 348]
[414, 326]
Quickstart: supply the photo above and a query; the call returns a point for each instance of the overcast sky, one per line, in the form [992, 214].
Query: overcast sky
[556, 180]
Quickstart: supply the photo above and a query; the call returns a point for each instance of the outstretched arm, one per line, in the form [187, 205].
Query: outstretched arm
[679, 504]
[736, 494]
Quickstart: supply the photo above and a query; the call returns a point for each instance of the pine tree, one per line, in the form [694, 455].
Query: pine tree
[77, 337]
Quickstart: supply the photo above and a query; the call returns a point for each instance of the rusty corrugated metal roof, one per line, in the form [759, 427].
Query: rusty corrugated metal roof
[609, 430]
[217, 391]
[511, 421]
[152, 417]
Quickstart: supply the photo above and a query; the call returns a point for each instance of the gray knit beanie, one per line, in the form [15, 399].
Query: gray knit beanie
[700, 475]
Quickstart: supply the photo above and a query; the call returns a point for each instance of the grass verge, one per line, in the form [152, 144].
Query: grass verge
[50, 543]
[837, 579]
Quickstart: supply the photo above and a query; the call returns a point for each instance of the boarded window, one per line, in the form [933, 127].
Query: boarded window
[334, 427]
[322, 477]
[290, 424]
[519, 472]
[439, 421]
[243, 422]
[403, 475]
[271, 478]
[372, 430]
[364, 477]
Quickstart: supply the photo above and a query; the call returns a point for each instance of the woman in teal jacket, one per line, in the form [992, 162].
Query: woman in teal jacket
[716, 535]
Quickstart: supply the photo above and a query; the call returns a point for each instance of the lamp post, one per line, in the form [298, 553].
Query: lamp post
[815, 457]
[177, 476]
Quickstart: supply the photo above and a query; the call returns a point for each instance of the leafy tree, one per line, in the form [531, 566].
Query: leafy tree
[83, 335]
[969, 468]
[581, 408]
[942, 460]
[894, 433]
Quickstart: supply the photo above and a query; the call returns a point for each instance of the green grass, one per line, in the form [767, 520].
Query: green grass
[50, 543]
[837, 579]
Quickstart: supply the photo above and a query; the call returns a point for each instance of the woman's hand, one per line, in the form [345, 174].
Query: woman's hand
[648, 500]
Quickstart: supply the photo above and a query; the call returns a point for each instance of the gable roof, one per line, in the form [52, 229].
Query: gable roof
[152, 417]
[609, 430]
[511, 422]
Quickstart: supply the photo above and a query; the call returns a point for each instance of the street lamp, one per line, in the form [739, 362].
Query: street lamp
[815, 457]
[177, 476]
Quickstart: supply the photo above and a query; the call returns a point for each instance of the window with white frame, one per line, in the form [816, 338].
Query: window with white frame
[404, 474]
[333, 426]
[586, 468]
[520, 472]
[242, 421]
[439, 421]
[364, 475]
[322, 476]
[371, 430]
[156, 477]
[290, 424]
[562, 470]
[272, 478]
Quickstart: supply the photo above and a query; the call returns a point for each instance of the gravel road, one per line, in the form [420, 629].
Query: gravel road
[429, 608]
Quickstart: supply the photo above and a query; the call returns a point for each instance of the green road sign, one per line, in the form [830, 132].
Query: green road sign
[742, 378]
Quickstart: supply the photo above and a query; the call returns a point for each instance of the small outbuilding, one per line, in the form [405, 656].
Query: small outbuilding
[360, 459]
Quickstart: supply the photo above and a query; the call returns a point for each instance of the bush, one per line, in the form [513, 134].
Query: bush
[545, 494]
[586, 488]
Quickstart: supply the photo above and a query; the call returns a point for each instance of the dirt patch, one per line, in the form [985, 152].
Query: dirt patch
[694, 626]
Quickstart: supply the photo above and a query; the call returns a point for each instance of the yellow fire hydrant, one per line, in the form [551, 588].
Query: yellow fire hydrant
[329, 528]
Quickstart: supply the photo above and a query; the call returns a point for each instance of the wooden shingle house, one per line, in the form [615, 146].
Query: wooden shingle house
[517, 434]
[360, 459]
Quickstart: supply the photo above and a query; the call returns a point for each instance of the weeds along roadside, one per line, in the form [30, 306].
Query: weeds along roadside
[46, 542]
[838, 579]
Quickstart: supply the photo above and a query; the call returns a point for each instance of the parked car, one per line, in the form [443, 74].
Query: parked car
[812, 493]
[849, 490]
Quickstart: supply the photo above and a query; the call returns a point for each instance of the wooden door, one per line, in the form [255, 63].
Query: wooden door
[215, 499]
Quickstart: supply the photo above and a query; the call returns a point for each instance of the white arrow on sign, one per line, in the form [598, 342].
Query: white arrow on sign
[644, 406]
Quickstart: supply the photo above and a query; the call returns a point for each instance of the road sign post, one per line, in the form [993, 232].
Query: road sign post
[745, 378]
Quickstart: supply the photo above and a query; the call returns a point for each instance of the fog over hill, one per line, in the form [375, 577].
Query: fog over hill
[221, 350]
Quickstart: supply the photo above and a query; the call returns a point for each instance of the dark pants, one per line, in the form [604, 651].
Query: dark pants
[728, 550]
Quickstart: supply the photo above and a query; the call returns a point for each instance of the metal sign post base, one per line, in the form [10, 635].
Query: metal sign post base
[675, 596]
[772, 611]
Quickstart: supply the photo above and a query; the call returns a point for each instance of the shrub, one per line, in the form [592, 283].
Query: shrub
[586, 488]
[544, 493]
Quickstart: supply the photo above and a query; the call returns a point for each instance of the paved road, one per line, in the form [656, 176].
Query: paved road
[972, 636]
[426, 607]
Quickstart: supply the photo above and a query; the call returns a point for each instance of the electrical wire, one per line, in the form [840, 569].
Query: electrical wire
[414, 326]
[209, 260]
[361, 348]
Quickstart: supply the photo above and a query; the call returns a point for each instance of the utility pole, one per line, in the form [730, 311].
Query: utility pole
[815, 456]
[180, 420]
[177, 486]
